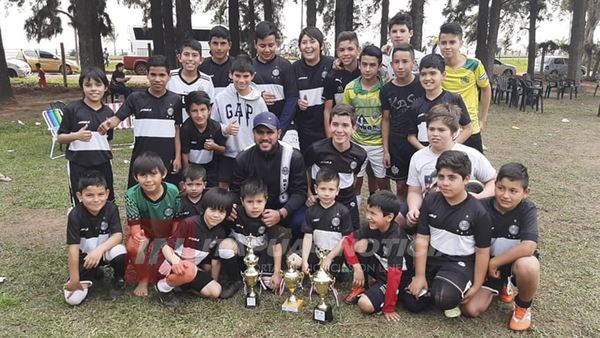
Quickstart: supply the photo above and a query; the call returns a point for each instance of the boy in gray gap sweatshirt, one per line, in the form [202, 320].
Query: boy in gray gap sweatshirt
[235, 108]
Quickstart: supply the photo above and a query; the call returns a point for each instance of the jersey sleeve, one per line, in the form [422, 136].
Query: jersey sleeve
[310, 156]
[184, 135]
[132, 210]
[127, 109]
[73, 226]
[347, 90]
[329, 87]
[298, 184]
[482, 168]
[306, 227]
[413, 128]
[481, 76]
[483, 229]
[529, 222]
[181, 232]
[210, 90]
[465, 118]
[413, 174]
[219, 138]
[289, 86]
[178, 112]
[385, 103]
[114, 220]
[423, 226]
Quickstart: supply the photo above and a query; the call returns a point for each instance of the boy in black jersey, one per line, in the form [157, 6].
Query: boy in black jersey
[218, 64]
[457, 227]
[347, 50]
[202, 139]
[266, 241]
[86, 148]
[431, 74]
[94, 238]
[311, 71]
[396, 98]
[340, 154]
[194, 182]
[189, 258]
[325, 222]
[157, 114]
[514, 243]
[375, 250]
[275, 76]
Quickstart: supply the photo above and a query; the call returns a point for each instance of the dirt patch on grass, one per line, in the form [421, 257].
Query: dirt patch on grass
[29, 102]
[35, 228]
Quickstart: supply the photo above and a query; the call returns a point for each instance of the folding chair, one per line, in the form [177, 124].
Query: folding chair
[53, 117]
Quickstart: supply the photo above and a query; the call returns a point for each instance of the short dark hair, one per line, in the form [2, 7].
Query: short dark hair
[385, 200]
[401, 18]
[147, 163]
[347, 36]
[191, 43]
[451, 28]
[404, 47]
[38, 65]
[218, 32]
[243, 64]
[435, 61]
[197, 97]
[92, 178]
[158, 61]
[456, 161]
[312, 32]
[92, 73]
[253, 187]
[264, 29]
[327, 174]
[371, 50]
[194, 172]
[218, 199]
[119, 64]
[342, 109]
[448, 114]
[514, 172]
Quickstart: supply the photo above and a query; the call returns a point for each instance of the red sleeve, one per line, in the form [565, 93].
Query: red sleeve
[391, 297]
[348, 245]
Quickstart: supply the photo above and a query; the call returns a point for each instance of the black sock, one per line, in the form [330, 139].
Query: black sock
[521, 303]
[118, 265]
[231, 268]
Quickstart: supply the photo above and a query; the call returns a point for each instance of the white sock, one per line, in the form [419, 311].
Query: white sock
[163, 286]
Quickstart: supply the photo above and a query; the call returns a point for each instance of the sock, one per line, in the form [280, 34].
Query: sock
[231, 268]
[163, 286]
[522, 303]
[118, 265]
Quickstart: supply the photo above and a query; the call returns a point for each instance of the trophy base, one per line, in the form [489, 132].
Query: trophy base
[292, 307]
[252, 302]
[323, 315]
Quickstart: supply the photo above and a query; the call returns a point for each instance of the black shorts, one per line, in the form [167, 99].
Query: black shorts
[400, 155]
[225, 166]
[475, 141]
[496, 284]
[200, 281]
[457, 273]
[76, 171]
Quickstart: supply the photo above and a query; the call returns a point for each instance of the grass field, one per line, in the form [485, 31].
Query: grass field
[518, 62]
[563, 162]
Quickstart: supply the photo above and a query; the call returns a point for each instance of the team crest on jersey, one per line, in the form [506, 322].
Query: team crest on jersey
[352, 204]
[461, 263]
[395, 170]
[513, 229]
[170, 111]
[104, 226]
[262, 229]
[324, 74]
[275, 72]
[335, 221]
[168, 212]
[285, 170]
[213, 243]
[464, 80]
[464, 225]
[353, 165]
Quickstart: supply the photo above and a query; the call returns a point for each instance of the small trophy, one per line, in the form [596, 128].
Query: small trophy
[292, 278]
[251, 274]
[322, 281]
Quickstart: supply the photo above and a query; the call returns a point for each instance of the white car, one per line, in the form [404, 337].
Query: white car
[18, 68]
[506, 69]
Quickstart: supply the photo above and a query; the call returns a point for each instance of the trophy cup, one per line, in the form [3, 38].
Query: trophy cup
[291, 279]
[321, 282]
[251, 274]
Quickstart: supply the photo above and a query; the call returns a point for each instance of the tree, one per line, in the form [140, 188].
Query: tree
[481, 51]
[385, 17]
[183, 10]
[343, 16]
[268, 10]
[577, 37]
[417, 13]
[6, 92]
[546, 47]
[158, 32]
[170, 48]
[311, 13]
[534, 10]
[233, 10]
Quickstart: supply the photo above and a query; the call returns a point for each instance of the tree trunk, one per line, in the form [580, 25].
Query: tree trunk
[167, 9]
[492, 38]
[531, 48]
[577, 36]
[251, 26]
[6, 92]
[234, 26]
[542, 59]
[311, 13]
[417, 13]
[184, 20]
[85, 16]
[385, 17]
[481, 51]
[343, 16]
[591, 22]
[268, 10]
[158, 33]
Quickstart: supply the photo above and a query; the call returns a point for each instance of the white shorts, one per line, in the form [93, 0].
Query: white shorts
[375, 157]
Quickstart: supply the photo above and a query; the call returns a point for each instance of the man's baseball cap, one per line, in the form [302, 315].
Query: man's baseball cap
[268, 120]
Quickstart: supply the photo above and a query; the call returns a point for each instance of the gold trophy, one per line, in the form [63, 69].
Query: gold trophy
[292, 278]
[251, 274]
[321, 282]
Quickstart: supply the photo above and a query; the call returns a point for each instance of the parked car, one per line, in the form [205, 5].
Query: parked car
[49, 61]
[501, 68]
[555, 65]
[18, 68]
[137, 64]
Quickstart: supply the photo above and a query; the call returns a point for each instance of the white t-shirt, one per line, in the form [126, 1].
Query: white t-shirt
[179, 86]
[422, 173]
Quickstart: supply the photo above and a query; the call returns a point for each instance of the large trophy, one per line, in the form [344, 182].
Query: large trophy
[292, 279]
[322, 282]
[251, 274]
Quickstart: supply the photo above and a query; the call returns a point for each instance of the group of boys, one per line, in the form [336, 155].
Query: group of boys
[194, 125]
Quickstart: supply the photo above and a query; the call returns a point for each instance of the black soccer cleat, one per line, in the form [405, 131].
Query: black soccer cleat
[169, 299]
[230, 289]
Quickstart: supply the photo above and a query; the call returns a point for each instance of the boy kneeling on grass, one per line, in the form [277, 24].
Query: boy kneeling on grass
[189, 258]
[94, 238]
[514, 243]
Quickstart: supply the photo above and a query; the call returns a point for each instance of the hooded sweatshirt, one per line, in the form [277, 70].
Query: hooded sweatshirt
[231, 106]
